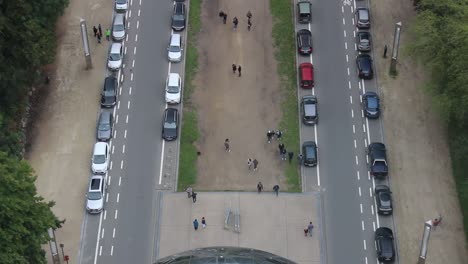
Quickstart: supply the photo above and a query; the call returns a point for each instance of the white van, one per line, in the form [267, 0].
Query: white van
[174, 51]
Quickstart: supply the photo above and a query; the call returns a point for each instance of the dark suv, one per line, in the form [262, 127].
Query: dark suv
[383, 198]
[178, 16]
[371, 103]
[378, 159]
[364, 66]
[363, 17]
[304, 11]
[109, 92]
[170, 126]
[309, 150]
[384, 244]
[304, 42]
[363, 39]
[309, 110]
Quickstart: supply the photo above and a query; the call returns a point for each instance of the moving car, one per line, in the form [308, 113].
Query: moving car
[309, 110]
[363, 17]
[104, 126]
[384, 244]
[306, 75]
[304, 42]
[118, 27]
[95, 195]
[309, 150]
[174, 51]
[109, 92]
[115, 57]
[378, 159]
[371, 103]
[363, 39]
[101, 156]
[383, 197]
[121, 5]
[173, 88]
[364, 66]
[170, 126]
[304, 11]
[178, 16]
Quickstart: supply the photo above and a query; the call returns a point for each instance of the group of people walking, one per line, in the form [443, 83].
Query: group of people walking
[98, 33]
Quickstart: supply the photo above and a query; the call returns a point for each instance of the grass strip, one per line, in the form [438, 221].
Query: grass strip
[189, 135]
[284, 43]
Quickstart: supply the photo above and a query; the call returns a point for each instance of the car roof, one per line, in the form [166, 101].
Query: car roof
[105, 116]
[119, 18]
[115, 48]
[95, 182]
[175, 39]
[109, 83]
[173, 79]
[170, 114]
[100, 148]
[178, 7]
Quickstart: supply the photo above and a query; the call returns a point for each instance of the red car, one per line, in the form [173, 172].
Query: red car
[306, 75]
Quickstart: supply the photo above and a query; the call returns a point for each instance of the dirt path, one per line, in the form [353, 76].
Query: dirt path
[64, 130]
[239, 108]
[421, 175]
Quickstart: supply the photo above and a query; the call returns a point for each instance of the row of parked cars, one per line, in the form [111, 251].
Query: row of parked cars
[376, 151]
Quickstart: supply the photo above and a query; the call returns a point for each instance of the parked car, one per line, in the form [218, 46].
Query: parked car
[363, 17]
[309, 150]
[178, 16]
[363, 41]
[378, 159]
[304, 42]
[119, 27]
[121, 5]
[309, 110]
[174, 51]
[304, 11]
[101, 157]
[364, 66]
[115, 57]
[371, 104]
[383, 197]
[95, 195]
[105, 126]
[306, 75]
[109, 92]
[173, 88]
[384, 244]
[170, 126]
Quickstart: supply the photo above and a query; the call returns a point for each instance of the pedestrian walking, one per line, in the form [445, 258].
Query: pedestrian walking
[108, 33]
[235, 21]
[249, 163]
[300, 157]
[306, 231]
[249, 15]
[309, 228]
[259, 187]
[269, 135]
[194, 197]
[221, 14]
[195, 224]
[100, 29]
[95, 31]
[278, 134]
[224, 18]
[99, 37]
[189, 191]
[436, 222]
[227, 148]
[203, 222]
[283, 154]
[239, 69]
[249, 24]
[234, 68]
[281, 147]
[276, 189]
[255, 164]
[290, 156]
[385, 51]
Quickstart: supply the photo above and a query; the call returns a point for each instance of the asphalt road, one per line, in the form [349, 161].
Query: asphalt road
[342, 136]
[141, 162]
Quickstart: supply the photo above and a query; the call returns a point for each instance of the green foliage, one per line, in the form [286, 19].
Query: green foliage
[24, 216]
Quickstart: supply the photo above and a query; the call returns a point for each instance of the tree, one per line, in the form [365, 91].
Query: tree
[24, 216]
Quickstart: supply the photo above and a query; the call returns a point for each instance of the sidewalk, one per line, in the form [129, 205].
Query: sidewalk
[288, 214]
[64, 131]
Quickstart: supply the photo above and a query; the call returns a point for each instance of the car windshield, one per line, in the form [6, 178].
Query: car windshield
[363, 15]
[99, 159]
[173, 89]
[169, 125]
[372, 103]
[114, 57]
[178, 17]
[174, 48]
[94, 196]
[104, 127]
[121, 2]
[119, 27]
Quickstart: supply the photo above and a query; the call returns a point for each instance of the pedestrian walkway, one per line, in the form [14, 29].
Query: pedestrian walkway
[266, 222]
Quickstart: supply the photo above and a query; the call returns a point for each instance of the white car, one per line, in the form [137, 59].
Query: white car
[173, 88]
[115, 57]
[101, 156]
[95, 195]
[174, 51]
[121, 5]
[118, 27]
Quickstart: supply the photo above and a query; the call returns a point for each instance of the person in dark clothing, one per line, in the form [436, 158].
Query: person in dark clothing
[255, 164]
[249, 15]
[239, 69]
[95, 31]
[221, 14]
[99, 38]
[100, 29]
[235, 21]
[194, 197]
[249, 25]
[279, 134]
[276, 189]
[269, 136]
[385, 51]
[234, 68]
[227, 148]
[281, 147]
[195, 224]
[300, 157]
[290, 156]
[310, 227]
[283, 154]
[203, 222]
[259, 187]
[224, 18]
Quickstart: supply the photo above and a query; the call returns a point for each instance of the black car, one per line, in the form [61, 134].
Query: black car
[309, 151]
[304, 11]
[371, 103]
[363, 39]
[170, 126]
[363, 17]
[309, 110]
[384, 244]
[383, 197]
[364, 66]
[378, 159]
[109, 92]
[104, 126]
[178, 16]
[304, 42]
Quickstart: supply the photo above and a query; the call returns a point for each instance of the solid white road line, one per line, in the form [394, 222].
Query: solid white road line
[97, 239]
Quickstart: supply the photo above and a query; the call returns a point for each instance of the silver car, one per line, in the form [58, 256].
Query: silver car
[121, 5]
[95, 195]
[118, 27]
[115, 57]
[174, 51]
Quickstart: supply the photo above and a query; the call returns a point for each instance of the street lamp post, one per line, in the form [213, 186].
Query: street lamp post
[425, 241]
[396, 46]
[86, 48]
